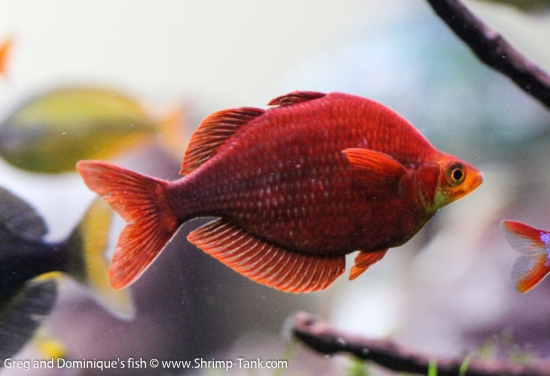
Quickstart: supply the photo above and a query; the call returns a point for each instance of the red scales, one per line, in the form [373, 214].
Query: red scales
[296, 188]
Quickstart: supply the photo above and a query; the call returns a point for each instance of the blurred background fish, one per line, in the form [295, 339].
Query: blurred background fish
[28, 265]
[534, 244]
[5, 50]
[53, 131]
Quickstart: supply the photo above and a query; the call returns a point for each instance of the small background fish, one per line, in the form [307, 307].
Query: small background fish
[53, 131]
[534, 244]
[28, 266]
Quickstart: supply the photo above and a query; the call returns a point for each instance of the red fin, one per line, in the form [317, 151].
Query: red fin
[141, 201]
[534, 264]
[528, 271]
[295, 97]
[524, 238]
[213, 132]
[265, 262]
[378, 171]
[363, 261]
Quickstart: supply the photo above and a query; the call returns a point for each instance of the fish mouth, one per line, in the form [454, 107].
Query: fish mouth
[474, 180]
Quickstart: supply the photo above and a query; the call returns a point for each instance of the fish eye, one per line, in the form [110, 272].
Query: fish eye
[456, 175]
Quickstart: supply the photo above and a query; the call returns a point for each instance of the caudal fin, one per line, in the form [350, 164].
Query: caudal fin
[141, 201]
[87, 263]
[533, 265]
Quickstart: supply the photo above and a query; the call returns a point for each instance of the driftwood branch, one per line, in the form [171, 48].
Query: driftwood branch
[327, 340]
[491, 48]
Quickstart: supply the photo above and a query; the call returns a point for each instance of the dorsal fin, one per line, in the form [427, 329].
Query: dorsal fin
[213, 132]
[295, 97]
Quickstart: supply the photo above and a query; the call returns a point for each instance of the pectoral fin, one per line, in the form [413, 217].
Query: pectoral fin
[363, 261]
[379, 172]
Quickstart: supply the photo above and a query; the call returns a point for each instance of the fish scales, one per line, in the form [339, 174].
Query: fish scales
[268, 177]
[295, 188]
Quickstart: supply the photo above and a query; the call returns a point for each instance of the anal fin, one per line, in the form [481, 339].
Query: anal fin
[363, 261]
[265, 262]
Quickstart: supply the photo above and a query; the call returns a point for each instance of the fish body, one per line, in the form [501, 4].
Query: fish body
[55, 130]
[22, 260]
[296, 188]
[534, 244]
[29, 266]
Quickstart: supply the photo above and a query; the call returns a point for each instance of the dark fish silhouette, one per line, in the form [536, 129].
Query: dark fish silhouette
[29, 265]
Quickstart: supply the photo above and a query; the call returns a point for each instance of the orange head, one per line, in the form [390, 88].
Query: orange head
[456, 179]
[442, 182]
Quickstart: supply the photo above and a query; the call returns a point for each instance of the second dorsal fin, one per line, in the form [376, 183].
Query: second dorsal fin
[213, 132]
[295, 97]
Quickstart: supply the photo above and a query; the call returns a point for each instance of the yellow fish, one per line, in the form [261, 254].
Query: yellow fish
[54, 131]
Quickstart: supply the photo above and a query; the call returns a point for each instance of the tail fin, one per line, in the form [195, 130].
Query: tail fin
[87, 262]
[141, 200]
[534, 264]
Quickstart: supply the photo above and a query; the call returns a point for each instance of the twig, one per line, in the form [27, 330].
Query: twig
[491, 48]
[327, 340]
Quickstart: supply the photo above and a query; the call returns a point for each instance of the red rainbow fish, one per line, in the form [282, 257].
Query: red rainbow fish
[296, 188]
[534, 264]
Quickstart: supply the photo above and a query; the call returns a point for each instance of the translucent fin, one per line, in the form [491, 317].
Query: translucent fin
[379, 172]
[213, 132]
[20, 218]
[22, 314]
[534, 264]
[264, 262]
[363, 261]
[295, 97]
[142, 202]
[87, 263]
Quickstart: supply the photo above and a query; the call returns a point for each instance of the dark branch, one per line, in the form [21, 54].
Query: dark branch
[491, 48]
[327, 340]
